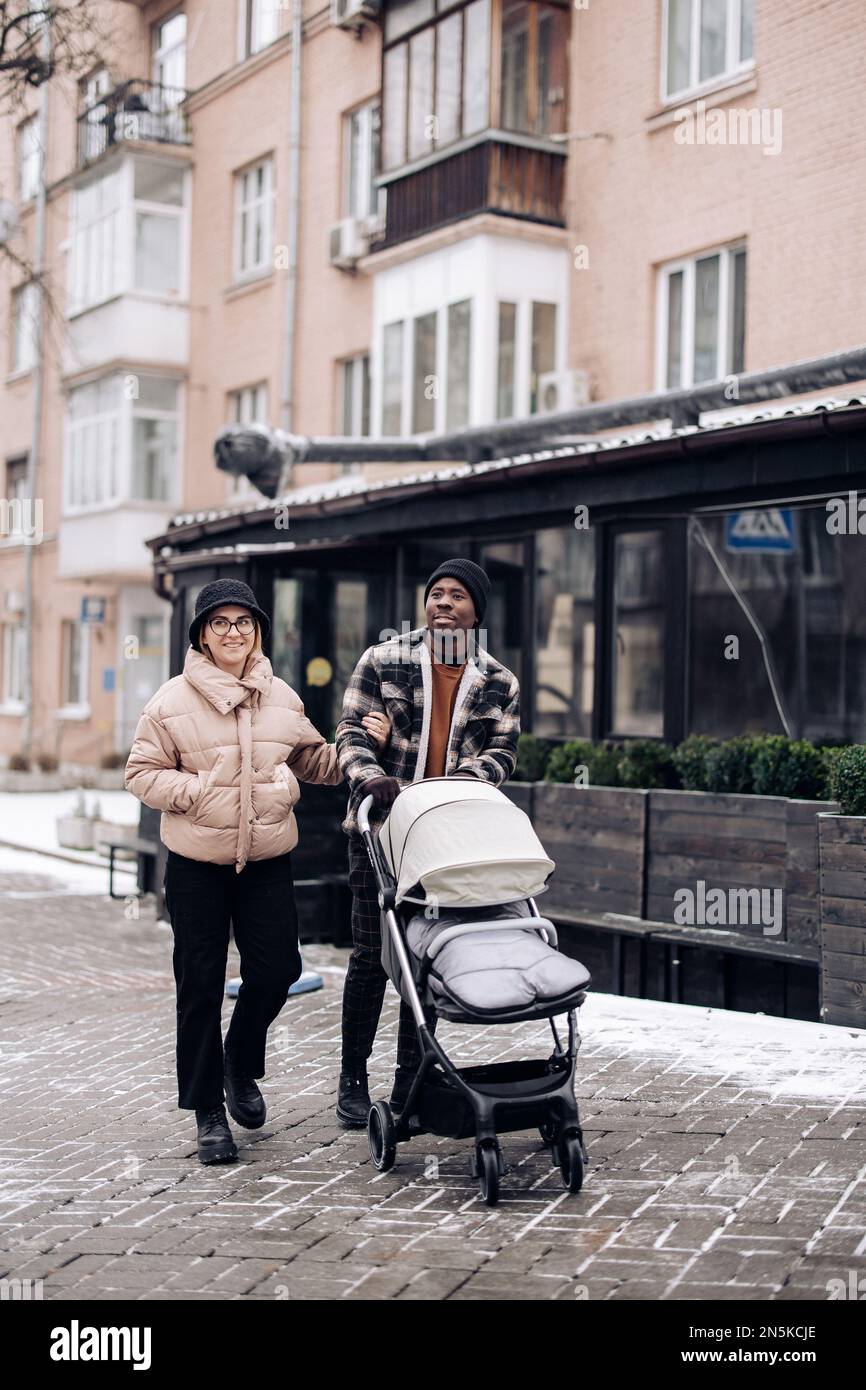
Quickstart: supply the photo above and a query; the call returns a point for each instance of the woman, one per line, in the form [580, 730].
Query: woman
[219, 750]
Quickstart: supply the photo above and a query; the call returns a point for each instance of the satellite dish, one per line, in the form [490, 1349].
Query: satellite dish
[8, 220]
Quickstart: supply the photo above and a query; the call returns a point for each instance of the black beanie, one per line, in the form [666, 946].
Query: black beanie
[470, 575]
[220, 592]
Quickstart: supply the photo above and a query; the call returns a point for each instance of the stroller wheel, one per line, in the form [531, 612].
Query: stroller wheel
[380, 1133]
[571, 1162]
[487, 1166]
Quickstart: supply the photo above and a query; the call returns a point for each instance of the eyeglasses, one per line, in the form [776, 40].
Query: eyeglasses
[222, 625]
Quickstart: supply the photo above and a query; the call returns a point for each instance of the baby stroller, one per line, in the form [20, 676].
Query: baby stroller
[456, 865]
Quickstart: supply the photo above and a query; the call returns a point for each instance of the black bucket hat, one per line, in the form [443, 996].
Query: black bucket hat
[220, 592]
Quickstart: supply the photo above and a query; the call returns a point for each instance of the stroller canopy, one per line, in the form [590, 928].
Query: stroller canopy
[465, 843]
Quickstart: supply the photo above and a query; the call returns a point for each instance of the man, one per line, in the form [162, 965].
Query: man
[453, 710]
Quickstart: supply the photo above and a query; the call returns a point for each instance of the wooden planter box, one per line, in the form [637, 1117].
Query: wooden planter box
[596, 836]
[842, 842]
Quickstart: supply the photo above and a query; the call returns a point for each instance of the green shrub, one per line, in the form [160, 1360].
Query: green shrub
[848, 779]
[788, 767]
[647, 763]
[690, 761]
[729, 766]
[603, 763]
[532, 757]
[18, 763]
[563, 759]
[46, 762]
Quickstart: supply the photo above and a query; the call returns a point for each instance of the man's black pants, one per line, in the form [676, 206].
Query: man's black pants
[203, 900]
[364, 989]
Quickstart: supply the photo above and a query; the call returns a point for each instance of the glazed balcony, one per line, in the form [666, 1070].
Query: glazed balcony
[474, 112]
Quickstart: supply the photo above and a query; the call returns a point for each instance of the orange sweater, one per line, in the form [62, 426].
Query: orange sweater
[446, 679]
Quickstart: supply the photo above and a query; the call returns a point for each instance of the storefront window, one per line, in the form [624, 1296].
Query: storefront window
[502, 621]
[564, 632]
[801, 586]
[286, 631]
[637, 660]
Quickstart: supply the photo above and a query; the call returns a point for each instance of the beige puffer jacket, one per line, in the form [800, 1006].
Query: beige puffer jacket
[221, 758]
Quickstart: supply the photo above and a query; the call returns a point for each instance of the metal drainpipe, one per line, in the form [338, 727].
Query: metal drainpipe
[294, 182]
[38, 387]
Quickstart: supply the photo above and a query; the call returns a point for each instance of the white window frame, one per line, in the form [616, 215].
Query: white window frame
[735, 66]
[724, 342]
[97, 272]
[29, 159]
[356, 405]
[25, 306]
[12, 691]
[115, 466]
[247, 405]
[369, 116]
[265, 202]
[164, 53]
[258, 26]
[178, 211]
[80, 708]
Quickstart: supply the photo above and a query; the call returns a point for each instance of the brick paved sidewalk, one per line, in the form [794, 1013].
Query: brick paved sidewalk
[727, 1154]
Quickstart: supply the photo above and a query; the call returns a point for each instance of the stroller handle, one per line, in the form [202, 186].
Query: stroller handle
[364, 815]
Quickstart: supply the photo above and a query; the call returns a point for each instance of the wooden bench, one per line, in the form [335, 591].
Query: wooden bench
[670, 936]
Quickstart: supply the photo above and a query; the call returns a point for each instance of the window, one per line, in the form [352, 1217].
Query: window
[122, 444]
[355, 396]
[158, 197]
[506, 360]
[533, 67]
[75, 658]
[392, 379]
[564, 632]
[247, 406]
[93, 435]
[25, 314]
[14, 637]
[169, 57]
[435, 82]
[458, 395]
[155, 440]
[702, 315]
[95, 258]
[29, 159]
[92, 130]
[361, 133]
[260, 24]
[425, 384]
[704, 41]
[254, 203]
[543, 350]
[18, 517]
[637, 659]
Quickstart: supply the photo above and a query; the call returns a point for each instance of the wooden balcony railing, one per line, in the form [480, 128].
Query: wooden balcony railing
[491, 176]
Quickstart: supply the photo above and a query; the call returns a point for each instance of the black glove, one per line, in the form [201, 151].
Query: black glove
[383, 790]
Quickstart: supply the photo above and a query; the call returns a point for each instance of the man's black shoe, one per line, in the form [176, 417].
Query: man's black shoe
[215, 1142]
[353, 1100]
[245, 1102]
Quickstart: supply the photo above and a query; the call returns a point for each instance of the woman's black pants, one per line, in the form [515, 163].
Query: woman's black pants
[203, 901]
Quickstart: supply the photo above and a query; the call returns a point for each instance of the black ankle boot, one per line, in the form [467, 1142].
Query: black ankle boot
[353, 1100]
[245, 1102]
[215, 1142]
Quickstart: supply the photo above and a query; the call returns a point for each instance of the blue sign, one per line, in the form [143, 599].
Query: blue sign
[92, 609]
[108, 674]
[769, 530]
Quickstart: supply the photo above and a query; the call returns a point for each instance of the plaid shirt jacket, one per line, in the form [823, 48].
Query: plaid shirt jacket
[395, 676]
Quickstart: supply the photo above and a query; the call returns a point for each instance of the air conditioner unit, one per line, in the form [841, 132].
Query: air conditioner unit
[347, 243]
[353, 14]
[563, 390]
